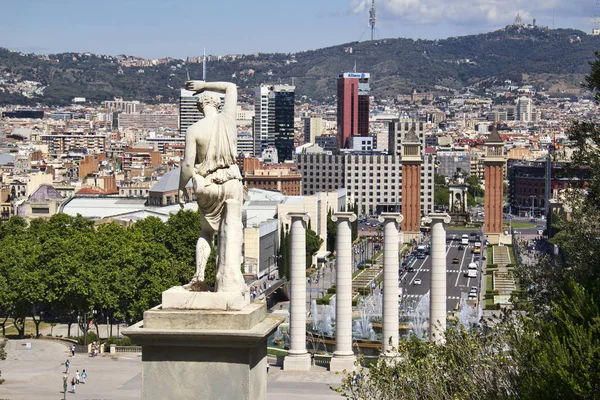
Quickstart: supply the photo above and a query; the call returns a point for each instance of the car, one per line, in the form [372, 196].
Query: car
[417, 282]
[474, 289]
[455, 260]
[421, 256]
[472, 296]
[410, 269]
[461, 247]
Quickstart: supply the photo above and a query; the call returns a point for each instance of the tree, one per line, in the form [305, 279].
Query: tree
[441, 197]
[313, 244]
[331, 231]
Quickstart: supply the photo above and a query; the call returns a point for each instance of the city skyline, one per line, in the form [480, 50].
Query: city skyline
[153, 31]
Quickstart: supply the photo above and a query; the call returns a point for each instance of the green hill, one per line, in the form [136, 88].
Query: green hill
[555, 60]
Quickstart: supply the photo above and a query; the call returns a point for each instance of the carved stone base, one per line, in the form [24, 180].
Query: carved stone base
[296, 362]
[339, 364]
[493, 238]
[181, 299]
[204, 354]
[410, 236]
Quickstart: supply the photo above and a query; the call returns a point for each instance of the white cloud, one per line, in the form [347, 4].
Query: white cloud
[456, 11]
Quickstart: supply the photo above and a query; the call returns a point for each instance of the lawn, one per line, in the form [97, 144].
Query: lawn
[522, 225]
[29, 328]
[489, 279]
[490, 255]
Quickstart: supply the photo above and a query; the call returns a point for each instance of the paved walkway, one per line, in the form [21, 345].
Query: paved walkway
[36, 373]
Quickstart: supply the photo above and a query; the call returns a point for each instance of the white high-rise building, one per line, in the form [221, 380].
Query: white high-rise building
[188, 111]
[264, 117]
[525, 109]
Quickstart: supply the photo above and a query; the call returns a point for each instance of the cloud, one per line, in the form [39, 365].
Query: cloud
[456, 11]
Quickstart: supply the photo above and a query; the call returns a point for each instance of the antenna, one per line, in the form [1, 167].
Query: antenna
[372, 18]
[204, 65]
[188, 73]
[355, 64]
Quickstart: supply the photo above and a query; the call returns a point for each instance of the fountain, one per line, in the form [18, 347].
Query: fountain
[418, 318]
[467, 315]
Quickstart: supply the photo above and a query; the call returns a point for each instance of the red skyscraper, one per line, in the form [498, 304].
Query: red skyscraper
[353, 106]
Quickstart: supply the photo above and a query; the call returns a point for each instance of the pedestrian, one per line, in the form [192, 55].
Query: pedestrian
[67, 363]
[77, 378]
[65, 383]
[73, 351]
[83, 376]
[73, 385]
[268, 367]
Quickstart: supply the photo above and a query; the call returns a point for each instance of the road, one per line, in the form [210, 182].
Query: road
[457, 284]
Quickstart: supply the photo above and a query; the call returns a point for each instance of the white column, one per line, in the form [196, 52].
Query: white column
[390, 280]
[297, 358]
[437, 308]
[343, 357]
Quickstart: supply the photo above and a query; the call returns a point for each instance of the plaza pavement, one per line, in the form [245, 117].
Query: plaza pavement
[36, 374]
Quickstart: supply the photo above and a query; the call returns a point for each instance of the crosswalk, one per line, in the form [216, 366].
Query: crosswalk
[448, 270]
[414, 296]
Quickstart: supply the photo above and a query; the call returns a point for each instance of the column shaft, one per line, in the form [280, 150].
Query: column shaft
[298, 283]
[437, 314]
[390, 281]
[343, 289]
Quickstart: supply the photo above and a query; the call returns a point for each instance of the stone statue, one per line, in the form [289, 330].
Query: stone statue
[210, 162]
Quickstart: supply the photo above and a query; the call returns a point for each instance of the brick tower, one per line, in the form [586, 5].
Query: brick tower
[411, 186]
[494, 187]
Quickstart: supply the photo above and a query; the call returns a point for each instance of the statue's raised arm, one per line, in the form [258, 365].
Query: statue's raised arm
[228, 88]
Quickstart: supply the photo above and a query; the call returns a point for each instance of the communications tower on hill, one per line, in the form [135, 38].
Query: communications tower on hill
[373, 18]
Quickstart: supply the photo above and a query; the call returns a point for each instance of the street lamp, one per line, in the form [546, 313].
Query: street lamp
[532, 203]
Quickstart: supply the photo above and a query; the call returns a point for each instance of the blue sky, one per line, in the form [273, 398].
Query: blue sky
[178, 28]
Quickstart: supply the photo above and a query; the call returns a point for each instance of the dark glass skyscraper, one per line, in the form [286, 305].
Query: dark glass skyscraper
[274, 120]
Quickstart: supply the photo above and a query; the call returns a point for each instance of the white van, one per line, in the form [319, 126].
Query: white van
[464, 240]
[472, 266]
[472, 273]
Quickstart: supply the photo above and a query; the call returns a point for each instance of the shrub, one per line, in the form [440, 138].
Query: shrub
[116, 341]
[91, 337]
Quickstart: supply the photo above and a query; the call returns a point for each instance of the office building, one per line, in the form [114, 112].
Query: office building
[274, 119]
[188, 111]
[353, 106]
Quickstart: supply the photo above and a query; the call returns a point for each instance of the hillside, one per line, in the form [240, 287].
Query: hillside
[555, 60]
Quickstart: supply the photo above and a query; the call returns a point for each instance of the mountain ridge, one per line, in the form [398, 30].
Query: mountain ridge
[541, 57]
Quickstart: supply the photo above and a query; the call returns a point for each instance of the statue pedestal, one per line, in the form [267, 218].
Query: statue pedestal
[204, 354]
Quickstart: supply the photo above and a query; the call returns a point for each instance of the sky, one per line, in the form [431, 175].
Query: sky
[181, 28]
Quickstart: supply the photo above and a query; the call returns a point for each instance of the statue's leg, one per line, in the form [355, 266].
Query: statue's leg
[203, 247]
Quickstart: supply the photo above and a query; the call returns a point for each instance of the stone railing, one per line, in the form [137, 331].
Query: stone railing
[114, 349]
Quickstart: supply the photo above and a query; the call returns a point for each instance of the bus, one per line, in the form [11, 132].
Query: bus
[465, 240]
[421, 251]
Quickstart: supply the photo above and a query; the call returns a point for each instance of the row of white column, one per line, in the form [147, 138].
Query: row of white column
[343, 357]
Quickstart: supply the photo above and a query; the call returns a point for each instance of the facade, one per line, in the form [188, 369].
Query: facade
[140, 162]
[148, 121]
[494, 187]
[452, 162]
[43, 203]
[279, 180]
[64, 142]
[411, 186]
[327, 142]
[188, 111]
[352, 107]
[313, 127]
[371, 181]
[274, 119]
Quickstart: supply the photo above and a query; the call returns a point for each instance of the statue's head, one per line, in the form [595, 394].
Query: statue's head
[208, 99]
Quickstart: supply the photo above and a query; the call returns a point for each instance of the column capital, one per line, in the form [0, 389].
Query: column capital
[296, 214]
[341, 215]
[393, 216]
[437, 217]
